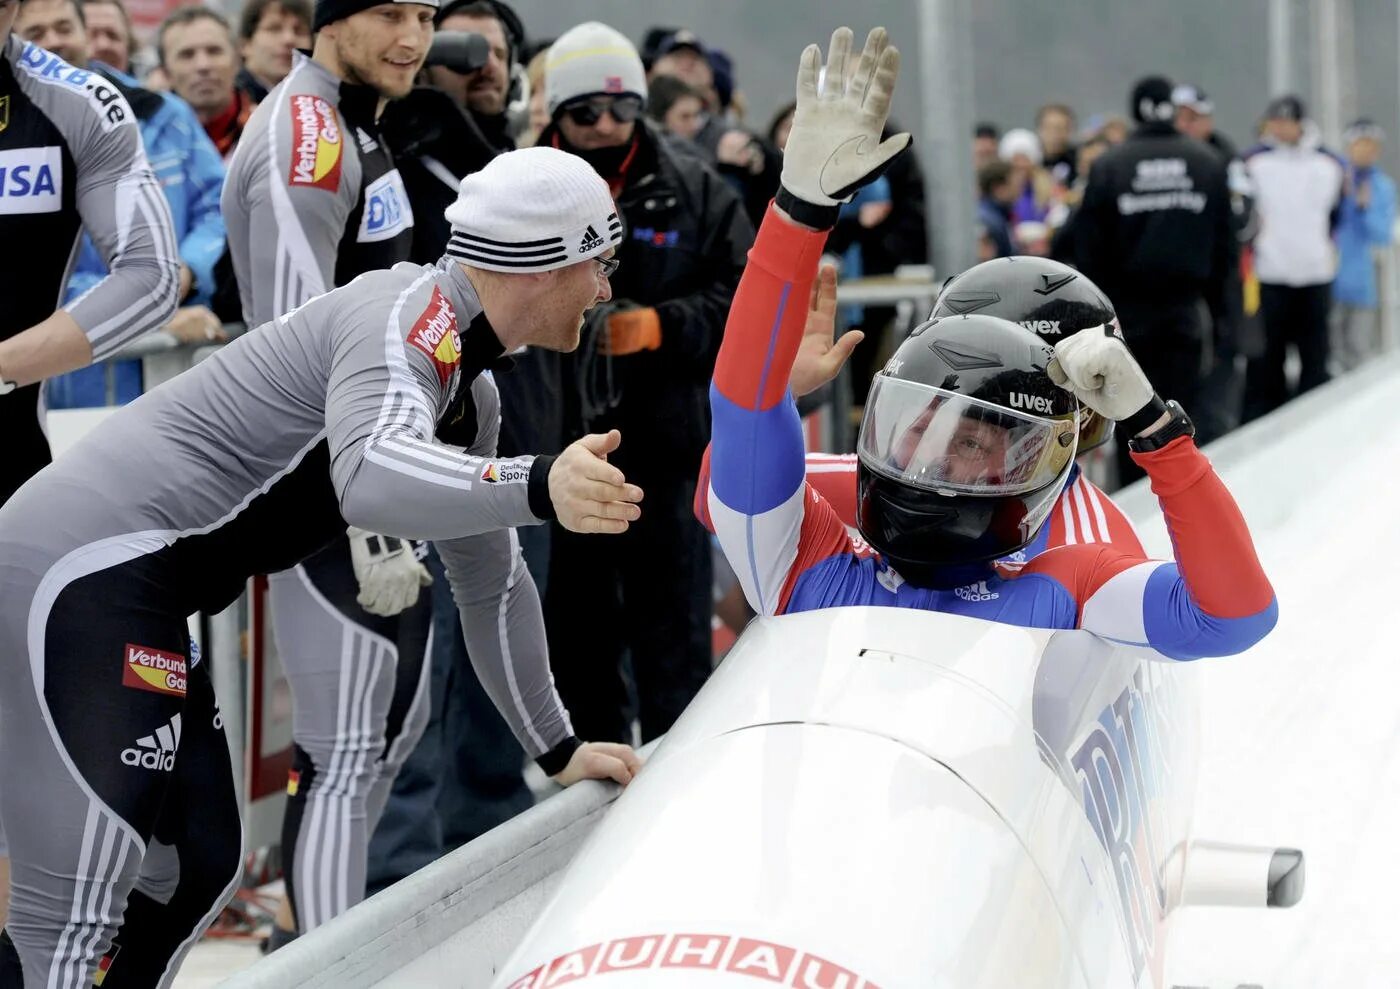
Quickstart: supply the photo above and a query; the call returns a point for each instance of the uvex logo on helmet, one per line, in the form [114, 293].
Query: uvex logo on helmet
[1031, 403]
[1045, 327]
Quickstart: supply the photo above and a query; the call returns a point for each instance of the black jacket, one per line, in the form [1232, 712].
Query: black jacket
[686, 238]
[1156, 227]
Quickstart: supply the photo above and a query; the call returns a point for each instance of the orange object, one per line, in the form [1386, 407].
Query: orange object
[630, 331]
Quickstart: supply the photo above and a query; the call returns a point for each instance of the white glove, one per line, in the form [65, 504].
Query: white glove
[834, 145]
[387, 570]
[1096, 365]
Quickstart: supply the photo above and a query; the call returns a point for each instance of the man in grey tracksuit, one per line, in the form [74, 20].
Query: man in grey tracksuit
[366, 405]
[313, 199]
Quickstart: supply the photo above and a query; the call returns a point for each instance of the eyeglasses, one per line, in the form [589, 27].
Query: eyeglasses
[607, 266]
[586, 113]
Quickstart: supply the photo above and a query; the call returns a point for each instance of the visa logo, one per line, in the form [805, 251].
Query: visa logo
[31, 180]
[387, 211]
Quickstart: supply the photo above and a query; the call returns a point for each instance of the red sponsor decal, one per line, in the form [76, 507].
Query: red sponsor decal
[763, 960]
[318, 143]
[696, 951]
[630, 952]
[612, 84]
[155, 670]
[435, 333]
[575, 965]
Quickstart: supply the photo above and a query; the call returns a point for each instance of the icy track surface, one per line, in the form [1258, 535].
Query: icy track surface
[1301, 737]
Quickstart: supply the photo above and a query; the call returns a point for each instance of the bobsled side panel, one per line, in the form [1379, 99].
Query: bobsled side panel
[829, 843]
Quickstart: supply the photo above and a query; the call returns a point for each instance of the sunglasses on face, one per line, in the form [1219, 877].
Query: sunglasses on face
[624, 110]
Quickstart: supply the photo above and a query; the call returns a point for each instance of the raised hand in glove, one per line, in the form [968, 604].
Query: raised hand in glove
[630, 331]
[1097, 366]
[821, 354]
[388, 572]
[834, 145]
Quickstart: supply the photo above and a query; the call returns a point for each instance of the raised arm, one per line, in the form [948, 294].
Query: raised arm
[1215, 599]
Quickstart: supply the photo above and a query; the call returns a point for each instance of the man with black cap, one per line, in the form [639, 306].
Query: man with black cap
[643, 367]
[312, 200]
[1298, 194]
[1155, 231]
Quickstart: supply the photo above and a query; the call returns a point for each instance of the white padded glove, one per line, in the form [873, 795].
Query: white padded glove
[834, 145]
[389, 574]
[1097, 366]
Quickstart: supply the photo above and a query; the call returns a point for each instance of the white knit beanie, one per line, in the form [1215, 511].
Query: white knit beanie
[535, 209]
[1019, 141]
[589, 59]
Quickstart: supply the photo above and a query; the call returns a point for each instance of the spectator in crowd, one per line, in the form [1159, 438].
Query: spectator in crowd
[746, 161]
[677, 107]
[1219, 401]
[1367, 222]
[1020, 149]
[196, 50]
[269, 32]
[1298, 189]
[538, 118]
[643, 367]
[464, 777]
[485, 93]
[1155, 233]
[109, 36]
[1062, 247]
[781, 125]
[986, 139]
[191, 177]
[996, 181]
[1054, 126]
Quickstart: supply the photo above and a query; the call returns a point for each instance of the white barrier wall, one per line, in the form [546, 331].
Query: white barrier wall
[1317, 482]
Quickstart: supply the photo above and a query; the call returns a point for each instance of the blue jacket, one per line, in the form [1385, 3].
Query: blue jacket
[192, 175]
[1358, 232]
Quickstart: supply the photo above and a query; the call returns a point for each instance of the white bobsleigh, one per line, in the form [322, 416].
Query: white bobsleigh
[873, 797]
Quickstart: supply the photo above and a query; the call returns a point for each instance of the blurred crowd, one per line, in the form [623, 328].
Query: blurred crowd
[1219, 263]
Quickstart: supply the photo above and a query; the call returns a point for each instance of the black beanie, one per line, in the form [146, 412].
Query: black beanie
[1151, 101]
[329, 11]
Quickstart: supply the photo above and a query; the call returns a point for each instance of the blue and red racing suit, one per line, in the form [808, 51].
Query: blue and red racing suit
[792, 552]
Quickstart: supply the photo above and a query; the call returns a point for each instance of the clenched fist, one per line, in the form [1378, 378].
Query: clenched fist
[590, 494]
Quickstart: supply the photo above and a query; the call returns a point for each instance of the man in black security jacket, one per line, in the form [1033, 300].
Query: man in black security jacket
[643, 367]
[1156, 232]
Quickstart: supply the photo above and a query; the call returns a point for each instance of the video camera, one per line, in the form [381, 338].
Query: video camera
[460, 51]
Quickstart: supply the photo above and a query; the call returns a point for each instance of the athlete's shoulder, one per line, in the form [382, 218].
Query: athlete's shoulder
[317, 150]
[74, 99]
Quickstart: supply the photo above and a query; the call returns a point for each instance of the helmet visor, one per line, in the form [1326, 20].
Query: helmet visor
[950, 443]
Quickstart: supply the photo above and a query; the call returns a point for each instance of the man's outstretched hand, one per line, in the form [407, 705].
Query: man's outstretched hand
[821, 355]
[590, 494]
[601, 761]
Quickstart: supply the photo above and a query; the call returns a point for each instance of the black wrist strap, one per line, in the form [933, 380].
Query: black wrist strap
[537, 489]
[552, 763]
[1143, 417]
[805, 213]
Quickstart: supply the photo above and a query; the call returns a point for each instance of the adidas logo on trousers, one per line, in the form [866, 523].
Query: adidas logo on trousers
[156, 750]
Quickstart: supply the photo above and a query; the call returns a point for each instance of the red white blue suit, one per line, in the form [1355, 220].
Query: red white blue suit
[791, 551]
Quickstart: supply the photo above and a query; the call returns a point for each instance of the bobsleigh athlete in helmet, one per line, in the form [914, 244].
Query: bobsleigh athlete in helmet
[1044, 296]
[969, 438]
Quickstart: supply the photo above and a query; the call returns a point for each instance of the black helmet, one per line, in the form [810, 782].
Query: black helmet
[1044, 296]
[965, 445]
